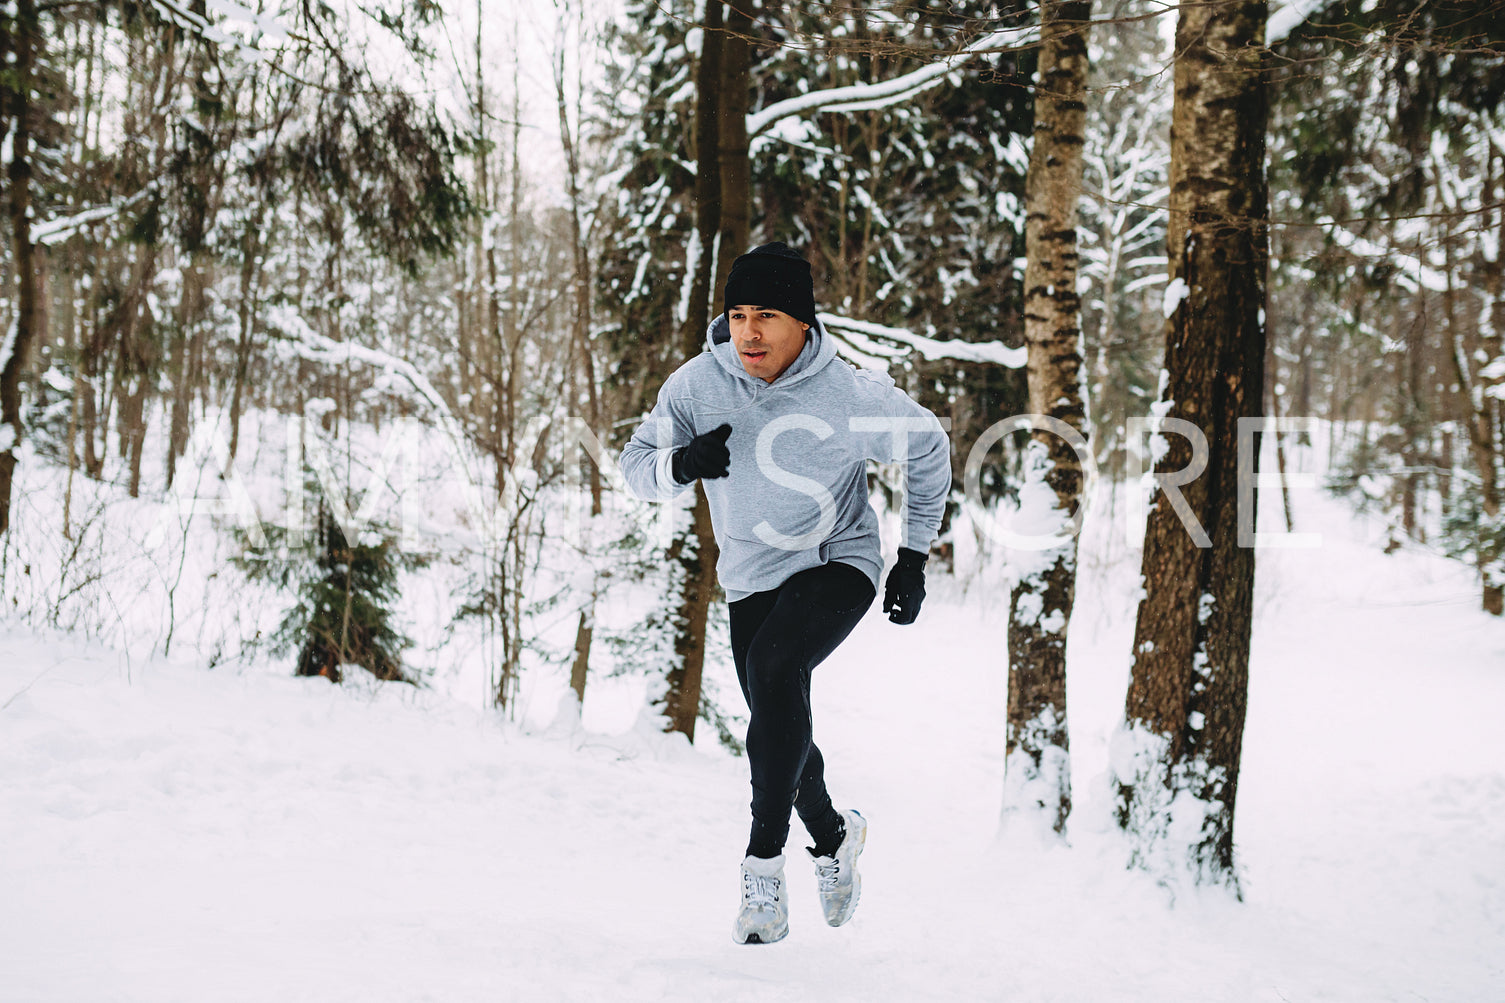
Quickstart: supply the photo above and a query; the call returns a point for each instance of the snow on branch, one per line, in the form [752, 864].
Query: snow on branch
[864, 351]
[63, 227]
[866, 97]
[868, 339]
[179, 14]
[1287, 18]
[1412, 268]
[876, 103]
[268, 25]
[264, 29]
[7, 346]
[307, 343]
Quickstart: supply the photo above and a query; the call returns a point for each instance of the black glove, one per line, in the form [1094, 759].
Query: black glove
[705, 456]
[905, 588]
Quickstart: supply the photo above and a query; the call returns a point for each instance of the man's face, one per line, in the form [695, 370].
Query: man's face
[767, 340]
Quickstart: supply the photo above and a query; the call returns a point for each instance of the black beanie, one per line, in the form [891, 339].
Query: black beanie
[775, 276]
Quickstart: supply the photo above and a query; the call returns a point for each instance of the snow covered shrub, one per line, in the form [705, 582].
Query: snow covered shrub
[344, 597]
[49, 411]
[645, 646]
[1469, 534]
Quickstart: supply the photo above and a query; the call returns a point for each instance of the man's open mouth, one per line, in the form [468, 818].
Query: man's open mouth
[753, 356]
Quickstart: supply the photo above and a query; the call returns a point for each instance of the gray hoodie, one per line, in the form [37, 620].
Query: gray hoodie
[795, 495]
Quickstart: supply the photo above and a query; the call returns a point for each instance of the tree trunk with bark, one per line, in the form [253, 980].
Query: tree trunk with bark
[722, 194]
[1037, 773]
[186, 333]
[707, 180]
[136, 364]
[696, 554]
[16, 344]
[732, 151]
[1176, 760]
[1485, 401]
[581, 354]
[252, 242]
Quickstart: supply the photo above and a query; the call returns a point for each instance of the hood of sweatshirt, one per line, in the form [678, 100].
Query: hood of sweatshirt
[817, 352]
[795, 494]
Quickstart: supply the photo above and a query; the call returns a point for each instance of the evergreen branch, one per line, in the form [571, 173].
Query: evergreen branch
[930, 348]
[868, 97]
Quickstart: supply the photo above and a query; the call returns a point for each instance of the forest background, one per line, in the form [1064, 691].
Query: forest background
[323, 314]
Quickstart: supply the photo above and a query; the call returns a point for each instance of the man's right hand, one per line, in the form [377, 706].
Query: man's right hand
[706, 456]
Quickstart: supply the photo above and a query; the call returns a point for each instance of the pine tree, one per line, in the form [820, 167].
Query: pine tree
[663, 213]
[344, 595]
[912, 214]
[641, 275]
[1389, 306]
[1122, 230]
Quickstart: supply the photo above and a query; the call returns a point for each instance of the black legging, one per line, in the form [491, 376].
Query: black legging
[778, 636]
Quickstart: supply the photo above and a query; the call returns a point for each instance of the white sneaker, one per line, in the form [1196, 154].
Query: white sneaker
[764, 916]
[840, 884]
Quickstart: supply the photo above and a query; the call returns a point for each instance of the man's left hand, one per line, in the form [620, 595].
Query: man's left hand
[904, 590]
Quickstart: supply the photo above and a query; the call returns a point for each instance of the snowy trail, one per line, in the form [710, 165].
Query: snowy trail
[170, 833]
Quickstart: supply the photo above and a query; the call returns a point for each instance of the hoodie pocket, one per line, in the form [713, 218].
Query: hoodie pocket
[837, 587]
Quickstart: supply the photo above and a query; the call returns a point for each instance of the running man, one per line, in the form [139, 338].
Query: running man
[779, 430]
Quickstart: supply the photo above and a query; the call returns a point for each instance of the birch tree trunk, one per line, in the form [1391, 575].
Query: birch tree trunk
[1037, 773]
[1176, 760]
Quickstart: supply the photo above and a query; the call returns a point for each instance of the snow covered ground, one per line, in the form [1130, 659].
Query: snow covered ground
[170, 832]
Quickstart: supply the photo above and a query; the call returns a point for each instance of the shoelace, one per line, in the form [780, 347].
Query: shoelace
[827, 874]
[760, 891]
